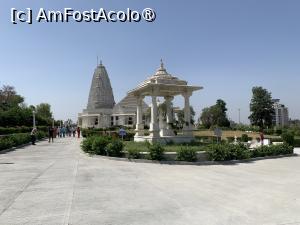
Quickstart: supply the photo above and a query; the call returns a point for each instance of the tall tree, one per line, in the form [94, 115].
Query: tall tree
[9, 97]
[261, 108]
[215, 115]
[44, 110]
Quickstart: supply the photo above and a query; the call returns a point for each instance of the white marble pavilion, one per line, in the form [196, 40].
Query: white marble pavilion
[163, 84]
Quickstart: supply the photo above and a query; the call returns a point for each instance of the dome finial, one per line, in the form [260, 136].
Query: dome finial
[161, 64]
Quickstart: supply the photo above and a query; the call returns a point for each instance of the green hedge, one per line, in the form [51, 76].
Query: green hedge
[101, 132]
[272, 150]
[224, 152]
[22, 129]
[15, 140]
[185, 153]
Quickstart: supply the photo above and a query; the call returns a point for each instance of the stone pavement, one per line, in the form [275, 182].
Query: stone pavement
[56, 184]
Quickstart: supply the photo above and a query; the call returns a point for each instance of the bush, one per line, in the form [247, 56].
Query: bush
[288, 137]
[99, 145]
[156, 151]
[186, 154]
[86, 144]
[297, 142]
[115, 148]
[244, 138]
[272, 150]
[223, 152]
[230, 139]
[6, 143]
[133, 153]
[20, 139]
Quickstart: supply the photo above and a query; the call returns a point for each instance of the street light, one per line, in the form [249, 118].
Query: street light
[33, 118]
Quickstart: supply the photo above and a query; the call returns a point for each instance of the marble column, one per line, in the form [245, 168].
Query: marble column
[187, 128]
[154, 128]
[169, 116]
[99, 118]
[139, 117]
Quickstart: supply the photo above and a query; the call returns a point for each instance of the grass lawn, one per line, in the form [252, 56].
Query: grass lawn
[231, 133]
[142, 146]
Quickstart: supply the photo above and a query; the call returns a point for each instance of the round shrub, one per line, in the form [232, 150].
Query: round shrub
[133, 153]
[115, 148]
[244, 138]
[288, 137]
[86, 144]
[99, 145]
[223, 152]
[156, 151]
[186, 154]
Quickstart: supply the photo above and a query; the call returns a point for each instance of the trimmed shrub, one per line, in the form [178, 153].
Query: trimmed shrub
[99, 145]
[297, 142]
[133, 153]
[272, 150]
[86, 144]
[6, 143]
[223, 152]
[20, 139]
[186, 154]
[115, 148]
[156, 151]
[14, 140]
[288, 137]
[230, 139]
[244, 138]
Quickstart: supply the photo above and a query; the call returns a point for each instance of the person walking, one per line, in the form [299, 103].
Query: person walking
[50, 133]
[58, 132]
[33, 135]
[63, 131]
[78, 132]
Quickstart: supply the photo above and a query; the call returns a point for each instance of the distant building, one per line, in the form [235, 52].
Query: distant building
[281, 116]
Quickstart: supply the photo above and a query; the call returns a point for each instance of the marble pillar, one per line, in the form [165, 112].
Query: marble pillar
[154, 128]
[139, 117]
[187, 127]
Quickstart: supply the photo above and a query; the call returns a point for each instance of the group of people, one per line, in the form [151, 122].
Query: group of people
[62, 132]
[57, 132]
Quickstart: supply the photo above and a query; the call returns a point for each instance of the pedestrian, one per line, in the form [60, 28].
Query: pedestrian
[63, 131]
[50, 133]
[262, 137]
[78, 132]
[33, 135]
[73, 131]
[58, 132]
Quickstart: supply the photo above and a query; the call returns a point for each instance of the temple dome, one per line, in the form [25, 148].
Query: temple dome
[101, 93]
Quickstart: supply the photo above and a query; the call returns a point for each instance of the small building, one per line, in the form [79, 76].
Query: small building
[281, 116]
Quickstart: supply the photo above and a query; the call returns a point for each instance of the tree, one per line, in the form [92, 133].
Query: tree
[261, 108]
[44, 110]
[215, 115]
[9, 97]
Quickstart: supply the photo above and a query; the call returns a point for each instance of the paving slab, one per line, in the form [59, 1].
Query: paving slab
[55, 183]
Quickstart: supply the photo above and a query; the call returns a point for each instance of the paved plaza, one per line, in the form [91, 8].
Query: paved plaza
[57, 184]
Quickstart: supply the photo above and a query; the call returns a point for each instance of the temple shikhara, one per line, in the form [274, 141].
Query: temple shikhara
[102, 112]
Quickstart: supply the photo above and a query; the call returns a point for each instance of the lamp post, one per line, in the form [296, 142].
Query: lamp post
[33, 118]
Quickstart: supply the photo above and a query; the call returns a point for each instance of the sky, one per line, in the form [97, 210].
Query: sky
[227, 47]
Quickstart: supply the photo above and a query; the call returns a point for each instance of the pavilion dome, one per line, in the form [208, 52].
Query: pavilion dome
[163, 77]
[101, 93]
